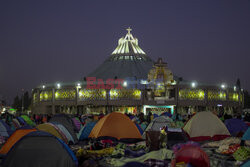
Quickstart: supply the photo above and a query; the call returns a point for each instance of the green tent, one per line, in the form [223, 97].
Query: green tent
[28, 120]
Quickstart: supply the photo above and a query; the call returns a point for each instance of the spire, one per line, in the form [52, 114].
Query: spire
[128, 45]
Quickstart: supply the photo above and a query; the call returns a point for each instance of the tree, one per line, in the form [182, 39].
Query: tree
[23, 101]
[26, 101]
[17, 104]
[238, 86]
[246, 99]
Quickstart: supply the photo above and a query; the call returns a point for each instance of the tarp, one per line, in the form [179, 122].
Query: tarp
[246, 135]
[175, 138]
[17, 135]
[85, 131]
[158, 155]
[235, 126]
[205, 126]
[5, 129]
[40, 149]
[28, 120]
[115, 125]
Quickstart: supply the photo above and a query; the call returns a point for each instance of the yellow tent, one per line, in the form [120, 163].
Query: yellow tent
[47, 127]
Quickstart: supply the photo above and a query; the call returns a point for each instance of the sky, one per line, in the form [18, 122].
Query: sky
[44, 41]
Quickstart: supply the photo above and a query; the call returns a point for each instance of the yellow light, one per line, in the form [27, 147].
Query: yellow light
[201, 94]
[104, 93]
[137, 93]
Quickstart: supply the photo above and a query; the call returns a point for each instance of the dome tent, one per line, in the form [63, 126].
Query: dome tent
[115, 125]
[246, 135]
[235, 126]
[52, 129]
[65, 132]
[67, 122]
[205, 126]
[28, 120]
[85, 131]
[158, 123]
[5, 129]
[40, 149]
[17, 135]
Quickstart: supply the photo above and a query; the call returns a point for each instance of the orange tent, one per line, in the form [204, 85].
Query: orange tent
[16, 136]
[115, 125]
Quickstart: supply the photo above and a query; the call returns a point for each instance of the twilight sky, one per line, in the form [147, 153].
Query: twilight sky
[45, 41]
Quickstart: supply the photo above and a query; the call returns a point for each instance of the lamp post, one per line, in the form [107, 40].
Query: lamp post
[177, 94]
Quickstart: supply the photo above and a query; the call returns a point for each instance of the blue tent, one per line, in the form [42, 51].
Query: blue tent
[40, 149]
[143, 126]
[139, 128]
[5, 129]
[21, 121]
[246, 164]
[235, 126]
[168, 114]
[155, 115]
[85, 131]
[246, 135]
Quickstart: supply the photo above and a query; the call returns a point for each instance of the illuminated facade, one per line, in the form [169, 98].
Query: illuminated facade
[147, 86]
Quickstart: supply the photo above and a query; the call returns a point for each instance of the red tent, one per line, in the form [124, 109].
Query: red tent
[192, 155]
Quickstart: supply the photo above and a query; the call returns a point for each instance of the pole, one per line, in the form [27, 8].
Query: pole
[22, 100]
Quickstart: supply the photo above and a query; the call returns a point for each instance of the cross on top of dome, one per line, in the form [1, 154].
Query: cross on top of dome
[129, 29]
[128, 45]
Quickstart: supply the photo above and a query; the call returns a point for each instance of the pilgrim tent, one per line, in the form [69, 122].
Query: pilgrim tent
[77, 123]
[246, 135]
[85, 131]
[17, 135]
[65, 132]
[168, 114]
[157, 123]
[21, 121]
[16, 123]
[235, 126]
[28, 120]
[205, 126]
[64, 118]
[192, 155]
[67, 123]
[115, 125]
[139, 128]
[40, 149]
[52, 129]
[5, 129]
